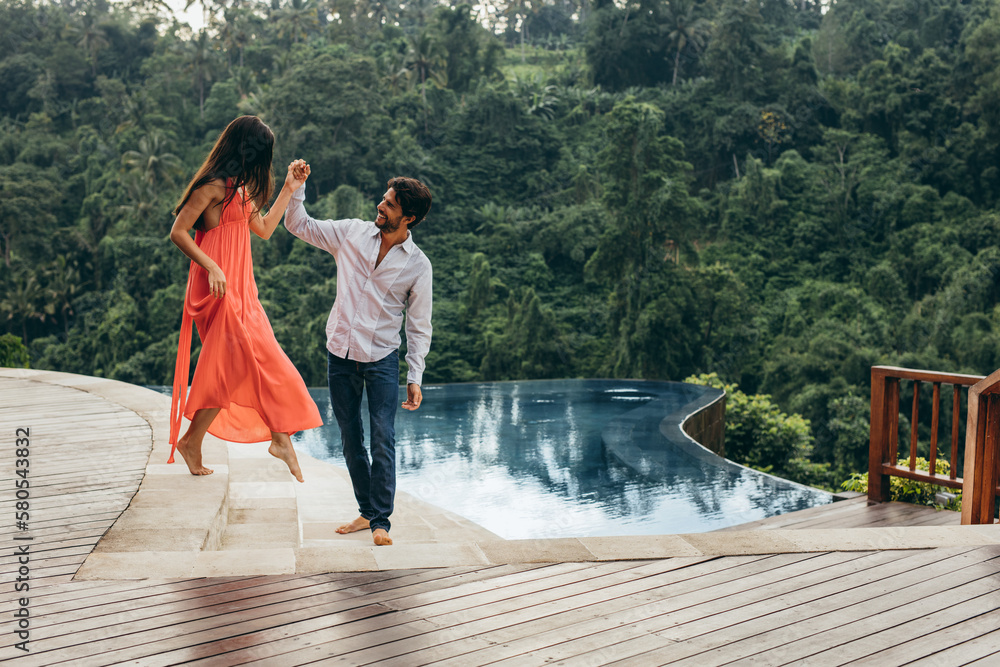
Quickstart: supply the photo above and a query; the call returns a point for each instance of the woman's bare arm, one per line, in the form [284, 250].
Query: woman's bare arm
[180, 233]
[264, 225]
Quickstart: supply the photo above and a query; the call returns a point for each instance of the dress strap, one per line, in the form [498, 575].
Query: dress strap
[182, 368]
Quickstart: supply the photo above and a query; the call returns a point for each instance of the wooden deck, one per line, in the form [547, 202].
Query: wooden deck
[936, 606]
[86, 458]
[887, 608]
[856, 513]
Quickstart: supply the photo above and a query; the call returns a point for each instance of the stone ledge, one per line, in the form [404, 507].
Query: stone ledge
[348, 555]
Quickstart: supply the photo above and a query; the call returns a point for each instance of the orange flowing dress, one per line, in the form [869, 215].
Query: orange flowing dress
[241, 369]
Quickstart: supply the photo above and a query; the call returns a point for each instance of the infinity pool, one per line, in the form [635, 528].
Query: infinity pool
[568, 458]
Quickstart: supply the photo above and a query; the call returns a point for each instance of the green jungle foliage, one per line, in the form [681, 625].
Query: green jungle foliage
[759, 189]
[760, 435]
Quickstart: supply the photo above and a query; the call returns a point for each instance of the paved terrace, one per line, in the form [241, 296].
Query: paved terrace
[136, 561]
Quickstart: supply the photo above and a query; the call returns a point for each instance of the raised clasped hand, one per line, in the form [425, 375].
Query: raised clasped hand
[298, 172]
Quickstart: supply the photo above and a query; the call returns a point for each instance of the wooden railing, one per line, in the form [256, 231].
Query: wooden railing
[982, 435]
[982, 462]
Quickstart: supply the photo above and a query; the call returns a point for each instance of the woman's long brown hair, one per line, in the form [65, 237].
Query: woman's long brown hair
[242, 153]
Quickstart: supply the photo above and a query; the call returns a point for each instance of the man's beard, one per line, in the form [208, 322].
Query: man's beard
[387, 226]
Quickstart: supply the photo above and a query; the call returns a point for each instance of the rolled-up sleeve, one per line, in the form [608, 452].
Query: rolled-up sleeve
[418, 325]
[325, 234]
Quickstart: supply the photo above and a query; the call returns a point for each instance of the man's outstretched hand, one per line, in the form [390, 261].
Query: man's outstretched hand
[413, 397]
[298, 172]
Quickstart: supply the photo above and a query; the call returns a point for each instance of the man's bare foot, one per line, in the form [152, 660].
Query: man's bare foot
[286, 453]
[360, 523]
[192, 456]
[381, 537]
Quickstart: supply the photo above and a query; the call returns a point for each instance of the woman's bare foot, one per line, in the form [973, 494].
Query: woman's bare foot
[285, 452]
[192, 456]
[360, 523]
[381, 537]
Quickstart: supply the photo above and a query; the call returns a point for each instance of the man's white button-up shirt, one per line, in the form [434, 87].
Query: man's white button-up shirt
[368, 311]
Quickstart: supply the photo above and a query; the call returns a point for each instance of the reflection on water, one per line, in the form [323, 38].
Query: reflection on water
[525, 459]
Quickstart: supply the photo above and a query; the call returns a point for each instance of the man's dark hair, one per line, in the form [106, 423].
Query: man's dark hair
[413, 198]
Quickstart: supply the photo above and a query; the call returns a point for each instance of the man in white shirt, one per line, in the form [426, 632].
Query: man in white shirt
[380, 272]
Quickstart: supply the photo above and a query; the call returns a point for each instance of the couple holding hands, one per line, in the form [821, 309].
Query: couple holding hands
[245, 389]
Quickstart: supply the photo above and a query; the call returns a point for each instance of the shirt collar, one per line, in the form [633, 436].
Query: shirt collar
[408, 245]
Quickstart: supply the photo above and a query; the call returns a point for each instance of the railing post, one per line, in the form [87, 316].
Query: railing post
[987, 490]
[879, 443]
[982, 433]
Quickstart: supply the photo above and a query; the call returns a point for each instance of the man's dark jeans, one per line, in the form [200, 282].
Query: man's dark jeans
[375, 479]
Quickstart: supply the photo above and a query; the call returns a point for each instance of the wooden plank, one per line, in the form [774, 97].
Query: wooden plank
[42, 496]
[415, 625]
[921, 476]
[956, 420]
[990, 660]
[100, 473]
[316, 624]
[74, 599]
[985, 620]
[776, 622]
[863, 517]
[855, 639]
[960, 379]
[327, 629]
[986, 490]
[44, 466]
[628, 635]
[793, 519]
[914, 425]
[886, 514]
[878, 484]
[473, 614]
[162, 630]
[67, 606]
[935, 425]
[976, 651]
[513, 636]
[96, 498]
[79, 520]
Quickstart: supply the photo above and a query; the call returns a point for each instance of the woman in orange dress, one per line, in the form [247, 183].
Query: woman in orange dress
[245, 389]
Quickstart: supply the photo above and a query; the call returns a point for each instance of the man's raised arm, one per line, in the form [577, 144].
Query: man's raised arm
[325, 234]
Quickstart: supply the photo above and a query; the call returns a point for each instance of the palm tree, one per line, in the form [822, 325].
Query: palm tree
[517, 12]
[296, 19]
[425, 59]
[540, 99]
[395, 74]
[383, 12]
[684, 28]
[21, 303]
[199, 62]
[152, 163]
[136, 109]
[245, 80]
[90, 37]
[92, 226]
[283, 60]
[420, 10]
[63, 287]
[141, 196]
[235, 31]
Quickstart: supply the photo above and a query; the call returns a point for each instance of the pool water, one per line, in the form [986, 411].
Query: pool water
[527, 460]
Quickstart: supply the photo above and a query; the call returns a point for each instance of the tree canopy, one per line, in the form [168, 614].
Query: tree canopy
[779, 192]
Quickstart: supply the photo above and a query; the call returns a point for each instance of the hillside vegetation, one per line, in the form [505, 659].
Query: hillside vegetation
[752, 188]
